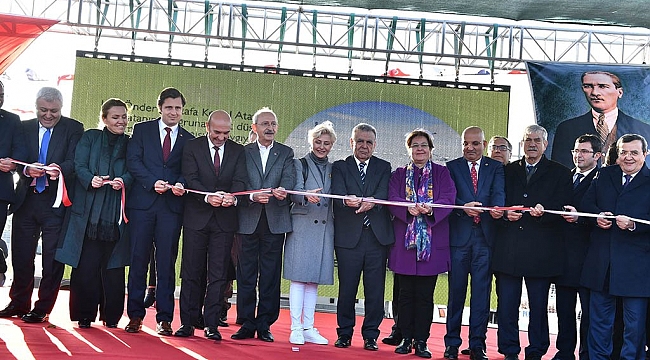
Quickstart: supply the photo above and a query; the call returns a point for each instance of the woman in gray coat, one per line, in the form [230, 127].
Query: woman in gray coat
[309, 249]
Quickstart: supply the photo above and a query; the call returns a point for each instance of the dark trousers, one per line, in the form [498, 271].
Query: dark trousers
[369, 257]
[161, 226]
[259, 266]
[196, 244]
[472, 259]
[152, 268]
[4, 251]
[416, 305]
[567, 336]
[602, 312]
[93, 286]
[395, 304]
[509, 299]
[35, 219]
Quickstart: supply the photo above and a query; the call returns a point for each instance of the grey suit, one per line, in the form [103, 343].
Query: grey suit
[263, 228]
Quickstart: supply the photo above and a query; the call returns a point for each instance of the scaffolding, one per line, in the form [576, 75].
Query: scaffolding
[323, 34]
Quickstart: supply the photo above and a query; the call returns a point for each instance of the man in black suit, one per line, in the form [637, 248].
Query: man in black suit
[153, 157]
[587, 151]
[527, 244]
[212, 164]
[362, 234]
[264, 220]
[51, 140]
[602, 90]
[11, 147]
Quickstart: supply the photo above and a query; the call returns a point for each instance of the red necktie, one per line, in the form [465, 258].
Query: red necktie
[167, 144]
[474, 174]
[217, 160]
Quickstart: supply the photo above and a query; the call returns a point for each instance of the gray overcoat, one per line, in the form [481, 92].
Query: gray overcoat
[309, 249]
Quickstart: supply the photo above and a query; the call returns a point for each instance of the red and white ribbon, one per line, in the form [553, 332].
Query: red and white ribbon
[122, 199]
[61, 191]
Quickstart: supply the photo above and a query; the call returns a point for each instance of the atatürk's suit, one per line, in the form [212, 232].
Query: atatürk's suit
[471, 248]
[153, 217]
[359, 248]
[263, 228]
[207, 229]
[34, 216]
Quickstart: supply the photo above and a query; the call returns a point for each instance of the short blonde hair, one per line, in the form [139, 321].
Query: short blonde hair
[324, 128]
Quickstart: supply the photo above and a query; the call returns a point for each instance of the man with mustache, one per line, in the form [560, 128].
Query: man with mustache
[602, 90]
[527, 244]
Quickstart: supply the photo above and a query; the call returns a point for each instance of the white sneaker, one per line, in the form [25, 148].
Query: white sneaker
[313, 336]
[296, 337]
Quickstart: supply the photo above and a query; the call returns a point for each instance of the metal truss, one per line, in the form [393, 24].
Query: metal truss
[323, 33]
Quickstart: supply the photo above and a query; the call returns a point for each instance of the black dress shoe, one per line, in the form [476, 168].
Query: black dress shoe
[222, 323]
[185, 331]
[405, 347]
[150, 297]
[243, 333]
[478, 354]
[265, 335]
[422, 350]
[110, 325]
[394, 339]
[511, 357]
[451, 352]
[164, 328]
[134, 325]
[35, 317]
[343, 341]
[370, 344]
[466, 351]
[11, 310]
[212, 333]
[84, 323]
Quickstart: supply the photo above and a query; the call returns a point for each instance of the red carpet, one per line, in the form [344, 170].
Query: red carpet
[62, 339]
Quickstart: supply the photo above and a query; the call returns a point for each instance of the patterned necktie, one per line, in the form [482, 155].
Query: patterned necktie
[362, 173]
[167, 144]
[42, 158]
[474, 174]
[603, 130]
[576, 182]
[530, 170]
[217, 160]
[627, 180]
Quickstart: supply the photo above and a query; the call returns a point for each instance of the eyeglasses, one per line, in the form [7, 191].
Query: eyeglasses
[624, 153]
[499, 147]
[581, 151]
[421, 146]
[267, 124]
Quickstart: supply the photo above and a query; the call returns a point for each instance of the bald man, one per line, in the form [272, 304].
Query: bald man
[214, 164]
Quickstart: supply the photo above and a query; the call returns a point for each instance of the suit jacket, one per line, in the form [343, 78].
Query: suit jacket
[11, 145]
[625, 253]
[530, 246]
[576, 237]
[347, 181]
[491, 192]
[280, 171]
[568, 131]
[199, 174]
[61, 150]
[145, 162]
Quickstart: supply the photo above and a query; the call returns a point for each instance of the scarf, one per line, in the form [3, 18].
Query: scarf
[321, 164]
[418, 233]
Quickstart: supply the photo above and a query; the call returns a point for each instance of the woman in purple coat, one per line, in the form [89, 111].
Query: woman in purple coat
[421, 249]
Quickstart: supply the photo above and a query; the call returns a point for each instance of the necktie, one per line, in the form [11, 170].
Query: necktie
[362, 173]
[474, 174]
[627, 180]
[530, 170]
[42, 158]
[167, 144]
[576, 182]
[603, 130]
[217, 160]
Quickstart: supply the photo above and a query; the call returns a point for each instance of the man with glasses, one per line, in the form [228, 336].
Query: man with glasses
[264, 221]
[500, 149]
[479, 181]
[617, 262]
[527, 244]
[586, 152]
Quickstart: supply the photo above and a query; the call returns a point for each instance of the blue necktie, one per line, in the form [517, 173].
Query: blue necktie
[576, 182]
[362, 165]
[42, 158]
[530, 170]
[627, 180]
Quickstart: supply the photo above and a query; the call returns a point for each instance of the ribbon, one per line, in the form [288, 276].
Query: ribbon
[61, 191]
[122, 200]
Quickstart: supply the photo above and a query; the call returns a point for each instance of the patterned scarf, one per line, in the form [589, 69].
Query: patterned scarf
[418, 233]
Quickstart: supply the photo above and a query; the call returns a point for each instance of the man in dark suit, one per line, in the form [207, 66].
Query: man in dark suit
[154, 159]
[617, 262]
[479, 181]
[602, 90]
[362, 234]
[216, 164]
[11, 147]
[51, 140]
[587, 151]
[264, 220]
[527, 244]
